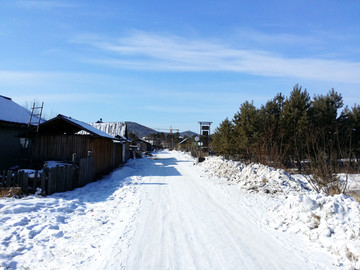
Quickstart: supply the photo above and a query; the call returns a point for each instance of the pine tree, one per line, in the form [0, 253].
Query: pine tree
[294, 123]
[247, 130]
[272, 137]
[223, 139]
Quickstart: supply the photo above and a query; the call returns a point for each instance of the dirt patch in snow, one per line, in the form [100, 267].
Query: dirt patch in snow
[10, 192]
[355, 194]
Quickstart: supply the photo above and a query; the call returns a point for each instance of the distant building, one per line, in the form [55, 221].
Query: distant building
[142, 145]
[115, 129]
[119, 131]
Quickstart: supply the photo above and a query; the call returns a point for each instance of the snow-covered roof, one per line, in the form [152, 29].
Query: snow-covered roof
[14, 113]
[112, 128]
[89, 128]
[76, 126]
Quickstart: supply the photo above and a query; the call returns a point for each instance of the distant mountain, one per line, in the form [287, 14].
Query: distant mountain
[139, 130]
[142, 131]
[188, 133]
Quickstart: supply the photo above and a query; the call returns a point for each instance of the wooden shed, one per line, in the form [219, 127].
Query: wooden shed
[14, 122]
[61, 139]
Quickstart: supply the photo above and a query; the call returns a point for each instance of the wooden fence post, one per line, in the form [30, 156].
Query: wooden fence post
[60, 179]
[76, 176]
[14, 180]
[3, 178]
[9, 179]
[73, 177]
[25, 182]
[49, 182]
[69, 176]
[43, 181]
[80, 173]
[35, 181]
[18, 179]
[54, 176]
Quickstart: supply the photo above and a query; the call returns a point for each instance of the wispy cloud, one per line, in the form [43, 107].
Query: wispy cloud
[253, 36]
[35, 77]
[179, 109]
[147, 51]
[43, 4]
[55, 85]
[62, 97]
[322, 43]
[11, 77]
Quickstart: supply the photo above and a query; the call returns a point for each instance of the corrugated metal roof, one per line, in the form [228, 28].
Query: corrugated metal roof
[112, 128]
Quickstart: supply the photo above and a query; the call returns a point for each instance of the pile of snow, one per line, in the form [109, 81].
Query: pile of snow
[333, 222]
[254, 177]
[50, 164]
[55, 163]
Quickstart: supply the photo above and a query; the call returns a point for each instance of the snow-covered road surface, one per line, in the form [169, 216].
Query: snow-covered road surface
[155, 213]
[187, 222]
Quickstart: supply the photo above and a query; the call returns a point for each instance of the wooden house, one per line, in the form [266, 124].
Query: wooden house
[67, 139]
[14, 123]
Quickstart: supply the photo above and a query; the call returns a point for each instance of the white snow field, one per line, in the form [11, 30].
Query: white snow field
[164, 212]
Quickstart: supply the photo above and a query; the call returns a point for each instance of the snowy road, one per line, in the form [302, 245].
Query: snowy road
[187, 222]
[154, 213]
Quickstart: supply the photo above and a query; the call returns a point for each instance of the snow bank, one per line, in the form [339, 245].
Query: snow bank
[69, 228]
[333, 222]
[254, 177]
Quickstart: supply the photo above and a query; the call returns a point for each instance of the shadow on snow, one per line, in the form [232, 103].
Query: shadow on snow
[127, 175]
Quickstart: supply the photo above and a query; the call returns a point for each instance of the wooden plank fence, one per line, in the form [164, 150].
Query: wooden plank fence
[51, 180]
[63, 147]
[86, 171]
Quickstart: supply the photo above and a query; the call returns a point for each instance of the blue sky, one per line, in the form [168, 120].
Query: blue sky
[162, 63]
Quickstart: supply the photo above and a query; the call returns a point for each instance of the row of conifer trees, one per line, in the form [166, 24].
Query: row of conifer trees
[315, 134]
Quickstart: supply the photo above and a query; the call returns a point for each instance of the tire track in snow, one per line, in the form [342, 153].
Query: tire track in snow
[188, 223]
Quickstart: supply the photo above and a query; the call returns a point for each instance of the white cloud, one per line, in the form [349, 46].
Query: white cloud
[147, 51]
